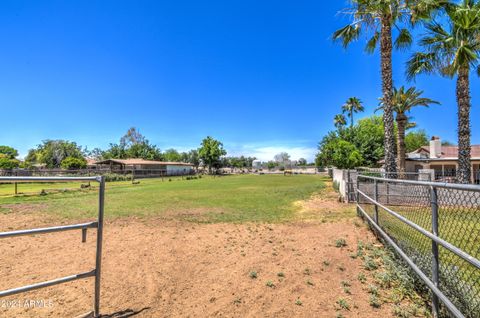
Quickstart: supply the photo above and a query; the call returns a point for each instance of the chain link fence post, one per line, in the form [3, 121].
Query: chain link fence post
[435, 256]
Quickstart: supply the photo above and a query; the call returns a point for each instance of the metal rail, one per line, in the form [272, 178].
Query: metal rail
[415, 268]
[465, 256]
[96, 272]
[433, 283]
[49, 229]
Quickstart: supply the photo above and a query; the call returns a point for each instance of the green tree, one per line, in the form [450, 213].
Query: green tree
[271, 165]
[403, 101]
[210, 152]
[31, 157]
[415, 140]
[8, 163]
[341, 154]
[71, 163]
[351, 106]
[451, 48]
[53, 152]
[367, 136]
[172, 155]
[379, 19]
[302, 162]
[133, 145]
[132, 137]
[9, 152]
[194, 158]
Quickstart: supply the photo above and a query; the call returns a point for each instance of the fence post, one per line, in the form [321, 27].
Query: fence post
[348, 187]
[16, 184]
[98, 259]
[435, 256]
[375, 197]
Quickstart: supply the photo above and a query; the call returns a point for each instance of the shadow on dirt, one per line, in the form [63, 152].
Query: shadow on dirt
[124, 313]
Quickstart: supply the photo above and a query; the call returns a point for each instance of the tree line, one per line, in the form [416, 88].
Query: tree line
[64, 154]
[449, 47]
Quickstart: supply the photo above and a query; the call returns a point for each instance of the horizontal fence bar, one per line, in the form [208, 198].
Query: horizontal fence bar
[445, 185]
[49, 229]
[470, 259]
[48, 179]
[57, 281]
[451, 307]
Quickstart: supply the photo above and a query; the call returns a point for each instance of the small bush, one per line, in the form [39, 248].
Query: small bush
[112, 177]
[253, 275]
[270, 284]
[345, 283]
[372, 289]
[72, 163]
[342, 303]
[362, 278]
[375, 301]
[370, 264]
[340, 242]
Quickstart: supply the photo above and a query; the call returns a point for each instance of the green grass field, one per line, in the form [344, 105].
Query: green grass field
[242, 198]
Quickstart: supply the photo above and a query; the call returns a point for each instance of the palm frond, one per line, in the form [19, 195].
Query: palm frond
[420, 63]
[404, 40]
[372, 43]
[347, 34]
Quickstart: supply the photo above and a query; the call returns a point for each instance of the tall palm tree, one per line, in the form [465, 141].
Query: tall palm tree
[339, 121]
[379, 18]
[452, 49]
[403, 101]
[352, 105]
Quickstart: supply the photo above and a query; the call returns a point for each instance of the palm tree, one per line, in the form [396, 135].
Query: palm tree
[452, 49]
[339, 121]
[403, 101]
[379, 18]
[353, 105]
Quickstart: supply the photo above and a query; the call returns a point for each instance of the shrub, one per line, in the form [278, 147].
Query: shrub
[7, 163]
[72, 163]
[111, 177]
[340, 242]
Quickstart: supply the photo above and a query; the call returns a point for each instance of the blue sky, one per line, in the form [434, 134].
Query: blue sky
[261, 76]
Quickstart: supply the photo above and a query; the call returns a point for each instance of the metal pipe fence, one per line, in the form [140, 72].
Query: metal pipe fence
[98, 224]
[137, 173]
[435, 228]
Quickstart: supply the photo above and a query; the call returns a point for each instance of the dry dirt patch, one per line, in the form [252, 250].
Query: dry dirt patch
[165, 268]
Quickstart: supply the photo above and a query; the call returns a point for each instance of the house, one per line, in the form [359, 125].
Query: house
[142, 166]
[442, 160]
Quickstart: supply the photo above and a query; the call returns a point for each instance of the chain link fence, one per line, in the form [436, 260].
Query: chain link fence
[435, 227]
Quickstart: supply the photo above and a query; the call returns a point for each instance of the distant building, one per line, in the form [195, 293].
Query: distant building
[160, 167]
[442, 160]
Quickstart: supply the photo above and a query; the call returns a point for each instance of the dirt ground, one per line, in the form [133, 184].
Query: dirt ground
[170, 268]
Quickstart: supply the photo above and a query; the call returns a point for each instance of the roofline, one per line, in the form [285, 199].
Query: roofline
[438, 159]
[145, 162]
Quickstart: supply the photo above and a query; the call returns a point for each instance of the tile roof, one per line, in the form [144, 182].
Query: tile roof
[451, 151]
[136, 161]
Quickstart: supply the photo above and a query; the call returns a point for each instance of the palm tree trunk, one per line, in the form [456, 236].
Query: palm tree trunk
[351, 118]
[463, 101]
[387, 90]
[401, 148]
